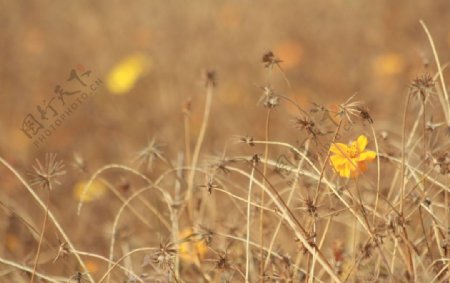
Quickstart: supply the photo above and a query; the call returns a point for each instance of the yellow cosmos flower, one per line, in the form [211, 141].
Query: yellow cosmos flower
[351, 160]
[191, 249]
[122, 78]
[95, 191]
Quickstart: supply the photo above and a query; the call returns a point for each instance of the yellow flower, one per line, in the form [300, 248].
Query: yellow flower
[191, 249]
[123, 76]
[351, 160]
[95, 191]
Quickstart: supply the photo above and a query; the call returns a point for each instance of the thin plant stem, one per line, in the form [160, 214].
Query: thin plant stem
[403, 185]
[198, 145]
[262, 196]
[377, 150]
[297, 228]
[110, 269]
[247, 244]
[402, 177]
[51, 216]
[28, 269]
[446, 105]
[291, 194]
[41, 237]
[187, 137]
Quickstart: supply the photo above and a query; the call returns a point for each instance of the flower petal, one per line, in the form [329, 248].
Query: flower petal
[346, 172]
[367, 156]
[339, 168]
[337, 160]
[339, 148]
[362, 142]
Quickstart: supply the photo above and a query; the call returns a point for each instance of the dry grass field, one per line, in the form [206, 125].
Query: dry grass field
[224, 141]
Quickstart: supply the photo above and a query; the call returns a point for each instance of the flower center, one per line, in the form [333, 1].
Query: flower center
[353, 151]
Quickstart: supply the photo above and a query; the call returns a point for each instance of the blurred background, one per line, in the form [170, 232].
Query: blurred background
[330, 50]
[149, 57]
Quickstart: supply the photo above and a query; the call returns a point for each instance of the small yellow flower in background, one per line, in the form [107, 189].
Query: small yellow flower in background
[92, 266]
[351, 160]
[95, 191]
[290, 52]
[191, 249]
[388, 64]
[124, 75]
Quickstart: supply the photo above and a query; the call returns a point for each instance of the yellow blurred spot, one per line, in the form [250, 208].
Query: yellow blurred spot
[91, 266]
[290, 52]
[388, 64]
[191, 249]
[124, 75]
[230, 16]
[12, 242]
[95, 191]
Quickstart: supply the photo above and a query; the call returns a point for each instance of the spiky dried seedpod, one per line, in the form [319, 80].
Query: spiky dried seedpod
[422, 86]
[247, 140]
[350, 109]
[223, 262]
[269, 99]
[151, 152]
[63, 250]
[311, 208]
[443, 161]
[164, 256]
[210, 78]
[307, 124]
[205, 234]
[269, 59]
[210, 185]
[364, 114]
[45, 175]
[255, 159]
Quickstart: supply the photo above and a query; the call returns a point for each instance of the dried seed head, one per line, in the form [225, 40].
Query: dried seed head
[364, 114]
[269, 98]
[150, 153]
[422, 86]
[46, 175]
[223, 263]
[210, 185]
[443, 161]
[164, 256]
[245, 139]
[205, 234]
[255, 159]
[350, 109]
[63, 250]
[187, 106]
[308, 125]
[269, 59]
[210, 78]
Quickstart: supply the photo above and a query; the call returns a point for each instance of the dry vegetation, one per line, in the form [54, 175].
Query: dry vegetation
[303, 191]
